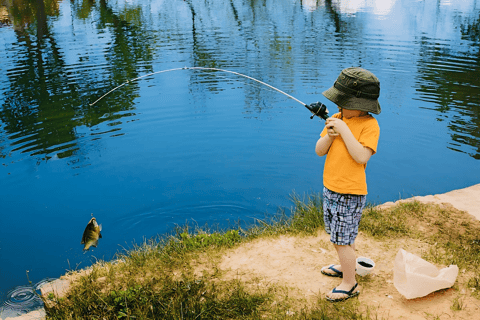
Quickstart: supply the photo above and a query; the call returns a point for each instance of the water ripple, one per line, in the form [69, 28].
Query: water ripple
[191, 210]
[23, 299]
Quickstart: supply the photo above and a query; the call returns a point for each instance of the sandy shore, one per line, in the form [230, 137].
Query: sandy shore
[467, 199]
[295, 262]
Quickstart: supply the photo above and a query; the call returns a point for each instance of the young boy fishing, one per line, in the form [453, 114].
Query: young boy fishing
[349, 139]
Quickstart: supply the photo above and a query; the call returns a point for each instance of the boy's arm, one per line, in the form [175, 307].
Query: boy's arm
[359, 152]
[323, 145]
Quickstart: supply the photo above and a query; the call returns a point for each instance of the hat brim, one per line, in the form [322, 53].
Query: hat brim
[350, 102]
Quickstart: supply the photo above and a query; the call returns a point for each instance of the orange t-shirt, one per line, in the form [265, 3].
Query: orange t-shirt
[341, 173]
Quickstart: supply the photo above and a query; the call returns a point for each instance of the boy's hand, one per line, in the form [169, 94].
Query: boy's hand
[335, 126]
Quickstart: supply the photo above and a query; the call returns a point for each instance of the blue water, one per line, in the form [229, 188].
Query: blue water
[210, 147]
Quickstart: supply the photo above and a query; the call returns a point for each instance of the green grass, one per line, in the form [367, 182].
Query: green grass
[394, 223]
[163, 297]
[305, 217]
[474, 284]
[157, 280]
[458, 304]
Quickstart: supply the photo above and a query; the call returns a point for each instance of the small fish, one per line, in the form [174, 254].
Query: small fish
[91, 234]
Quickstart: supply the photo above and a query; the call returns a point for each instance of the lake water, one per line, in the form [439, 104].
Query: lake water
[212, 147]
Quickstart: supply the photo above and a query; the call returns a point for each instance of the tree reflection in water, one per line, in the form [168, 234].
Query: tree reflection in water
[46, 102]
[46, 110]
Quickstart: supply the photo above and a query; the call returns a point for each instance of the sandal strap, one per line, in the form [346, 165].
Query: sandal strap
[335, 270]
[345, 292]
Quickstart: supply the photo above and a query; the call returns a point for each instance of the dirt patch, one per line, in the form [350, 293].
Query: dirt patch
[295, 262]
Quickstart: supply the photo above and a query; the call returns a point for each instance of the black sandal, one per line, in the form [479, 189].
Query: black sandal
[350, 294]
[337, 274]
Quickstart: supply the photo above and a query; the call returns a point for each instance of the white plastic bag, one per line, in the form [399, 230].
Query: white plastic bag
[414, 277]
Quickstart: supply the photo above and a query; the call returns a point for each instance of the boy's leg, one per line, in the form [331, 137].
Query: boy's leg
[348, 262]
[342, 214]
[337, 266]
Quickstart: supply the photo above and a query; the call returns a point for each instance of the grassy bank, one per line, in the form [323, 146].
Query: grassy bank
[161, 279]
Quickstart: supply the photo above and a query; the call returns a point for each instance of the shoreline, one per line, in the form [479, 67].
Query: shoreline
[466, 199]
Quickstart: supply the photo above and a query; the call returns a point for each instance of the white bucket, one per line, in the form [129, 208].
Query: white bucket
[364, 266]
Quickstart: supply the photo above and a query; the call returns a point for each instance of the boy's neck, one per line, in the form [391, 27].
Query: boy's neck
[347, 114]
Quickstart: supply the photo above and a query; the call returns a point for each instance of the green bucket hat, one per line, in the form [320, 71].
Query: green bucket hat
[356, 89]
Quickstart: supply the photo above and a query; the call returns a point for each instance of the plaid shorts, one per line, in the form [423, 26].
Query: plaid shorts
[342, 214]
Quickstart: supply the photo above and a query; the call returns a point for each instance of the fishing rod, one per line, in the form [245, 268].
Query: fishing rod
[317, 108]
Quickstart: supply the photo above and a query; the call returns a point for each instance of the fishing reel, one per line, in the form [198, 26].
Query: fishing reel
[318, 109]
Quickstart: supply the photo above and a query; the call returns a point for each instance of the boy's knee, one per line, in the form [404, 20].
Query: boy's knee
[352, 245]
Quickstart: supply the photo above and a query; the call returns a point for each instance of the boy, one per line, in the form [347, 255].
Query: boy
[349, 139]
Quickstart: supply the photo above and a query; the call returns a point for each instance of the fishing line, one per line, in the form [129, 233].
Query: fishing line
[197, 68]
[232, 79]
[318, 109]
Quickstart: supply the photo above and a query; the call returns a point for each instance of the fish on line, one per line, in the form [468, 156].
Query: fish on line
[91, 234]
